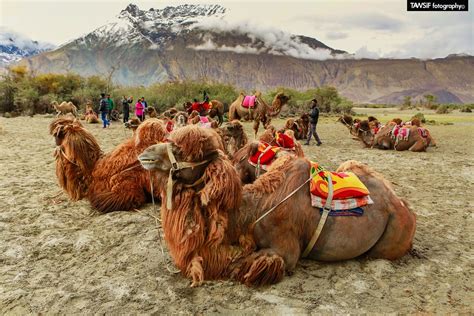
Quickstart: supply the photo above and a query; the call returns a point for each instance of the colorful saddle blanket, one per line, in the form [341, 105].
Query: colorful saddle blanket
[423, 132]
[169, 126]
[204, 122]
[264, 155]
[348, 191]
[249, 101]
[400, 133]
[358, 211]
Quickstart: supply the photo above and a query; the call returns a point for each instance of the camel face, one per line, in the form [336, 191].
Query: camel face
[155, 158]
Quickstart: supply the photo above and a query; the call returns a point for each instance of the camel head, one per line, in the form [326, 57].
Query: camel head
[190, 150]
[364, 133]
[181, 119]
[233, 129]
[278, 102]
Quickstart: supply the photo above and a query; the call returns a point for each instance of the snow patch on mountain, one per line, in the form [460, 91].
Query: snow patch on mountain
[14, 46]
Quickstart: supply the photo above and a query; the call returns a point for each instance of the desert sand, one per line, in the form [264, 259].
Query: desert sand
[58, 256]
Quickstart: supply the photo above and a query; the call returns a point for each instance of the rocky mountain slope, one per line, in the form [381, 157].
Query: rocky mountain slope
[14, 47]
[196, 42]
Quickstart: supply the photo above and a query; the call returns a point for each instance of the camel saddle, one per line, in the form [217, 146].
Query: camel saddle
[264, 156]
[249, 101]
[400, 133]
[284, 141]
[348, 191]
[423, 132]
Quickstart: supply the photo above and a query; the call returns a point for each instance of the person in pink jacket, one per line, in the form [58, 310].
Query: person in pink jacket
[139, 111]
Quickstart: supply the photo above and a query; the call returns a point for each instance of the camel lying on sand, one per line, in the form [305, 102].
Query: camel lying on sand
[210, 221]
[64, 108]
[299, 126]
[111, 182]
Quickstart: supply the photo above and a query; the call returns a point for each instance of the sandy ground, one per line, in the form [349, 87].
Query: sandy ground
[57, 256]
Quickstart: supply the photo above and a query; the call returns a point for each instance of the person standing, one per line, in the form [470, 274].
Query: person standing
[314, 116]
[145, 106]
[126, 108]
[104, 110]
[140, 110]
[111, 106]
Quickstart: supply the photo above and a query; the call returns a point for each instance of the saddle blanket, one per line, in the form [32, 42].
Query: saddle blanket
[400, 132]
[338, 205]
[423, 132]
[358, 211]
[284, 141]
[345, 184]
[169, 126]
[249, 101]
[348, 191]
[264, 155]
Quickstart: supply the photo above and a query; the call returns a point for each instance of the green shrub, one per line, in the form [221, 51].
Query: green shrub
[443, 109]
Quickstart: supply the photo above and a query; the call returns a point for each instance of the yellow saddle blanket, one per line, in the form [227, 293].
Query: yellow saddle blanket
[346, 185]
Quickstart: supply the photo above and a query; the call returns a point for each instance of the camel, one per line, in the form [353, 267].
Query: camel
[299, 126]
[400, 138]
[111, 182]
[64, 108]
[247, 171]
[180, 119]
[234, 137]
[216, 108]
[90, 115]
[151, 111]
[214, 227]
[132, 124]
[261, 112]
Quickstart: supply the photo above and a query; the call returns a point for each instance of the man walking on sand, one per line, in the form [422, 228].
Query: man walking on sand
[104, 110]
[314, 116]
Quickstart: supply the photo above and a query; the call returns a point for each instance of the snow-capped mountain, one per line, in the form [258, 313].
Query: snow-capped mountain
[15, 46]
[192, 42]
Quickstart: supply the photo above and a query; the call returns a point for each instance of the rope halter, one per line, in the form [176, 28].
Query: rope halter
[175, 166]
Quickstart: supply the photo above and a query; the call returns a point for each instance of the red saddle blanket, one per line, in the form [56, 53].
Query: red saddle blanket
[249, 101]
[348, 191]
[423, 132]
[264, 155]
[284, 140]
[400, 132]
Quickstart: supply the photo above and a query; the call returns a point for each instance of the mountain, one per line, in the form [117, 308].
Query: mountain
[15, 46]
[201, 41]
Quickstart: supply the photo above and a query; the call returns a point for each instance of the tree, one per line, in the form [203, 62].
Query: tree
[407, 101]
[430, 100]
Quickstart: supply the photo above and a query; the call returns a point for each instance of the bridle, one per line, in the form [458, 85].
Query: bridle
[175, 166]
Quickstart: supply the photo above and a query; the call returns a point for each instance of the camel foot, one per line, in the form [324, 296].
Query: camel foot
[261, 268]
[195, 271]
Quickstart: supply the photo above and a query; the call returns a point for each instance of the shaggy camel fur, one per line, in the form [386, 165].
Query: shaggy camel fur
[299, 126]
[260, 113]
[111, 182]
[211, 228]
[64, 108]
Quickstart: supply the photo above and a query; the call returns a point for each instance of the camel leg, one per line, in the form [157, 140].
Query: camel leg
[260, 268]
[418, 146]
[221, 119]
[256, 124]
[195, 271]
[397, 239]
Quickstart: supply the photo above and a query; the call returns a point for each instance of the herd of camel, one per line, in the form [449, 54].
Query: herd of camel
[223, 217]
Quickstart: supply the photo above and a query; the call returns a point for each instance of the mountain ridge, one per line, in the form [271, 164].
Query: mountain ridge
[191, 42]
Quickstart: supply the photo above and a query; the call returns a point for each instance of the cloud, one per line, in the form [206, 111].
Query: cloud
[269, 39]
[364, 52]
[335, 35]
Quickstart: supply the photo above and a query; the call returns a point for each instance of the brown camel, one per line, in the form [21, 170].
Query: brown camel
[64, 108]
[111, 182]
[90, 116]
[299, 126]
[392, 136]
[261, 112]
[247, 171]
[234, 137]
[210, 222]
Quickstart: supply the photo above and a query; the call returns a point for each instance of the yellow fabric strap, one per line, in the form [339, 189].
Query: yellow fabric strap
[322, 220]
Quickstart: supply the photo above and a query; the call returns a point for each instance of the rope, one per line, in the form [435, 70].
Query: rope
[286, 198]
[322, 220]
